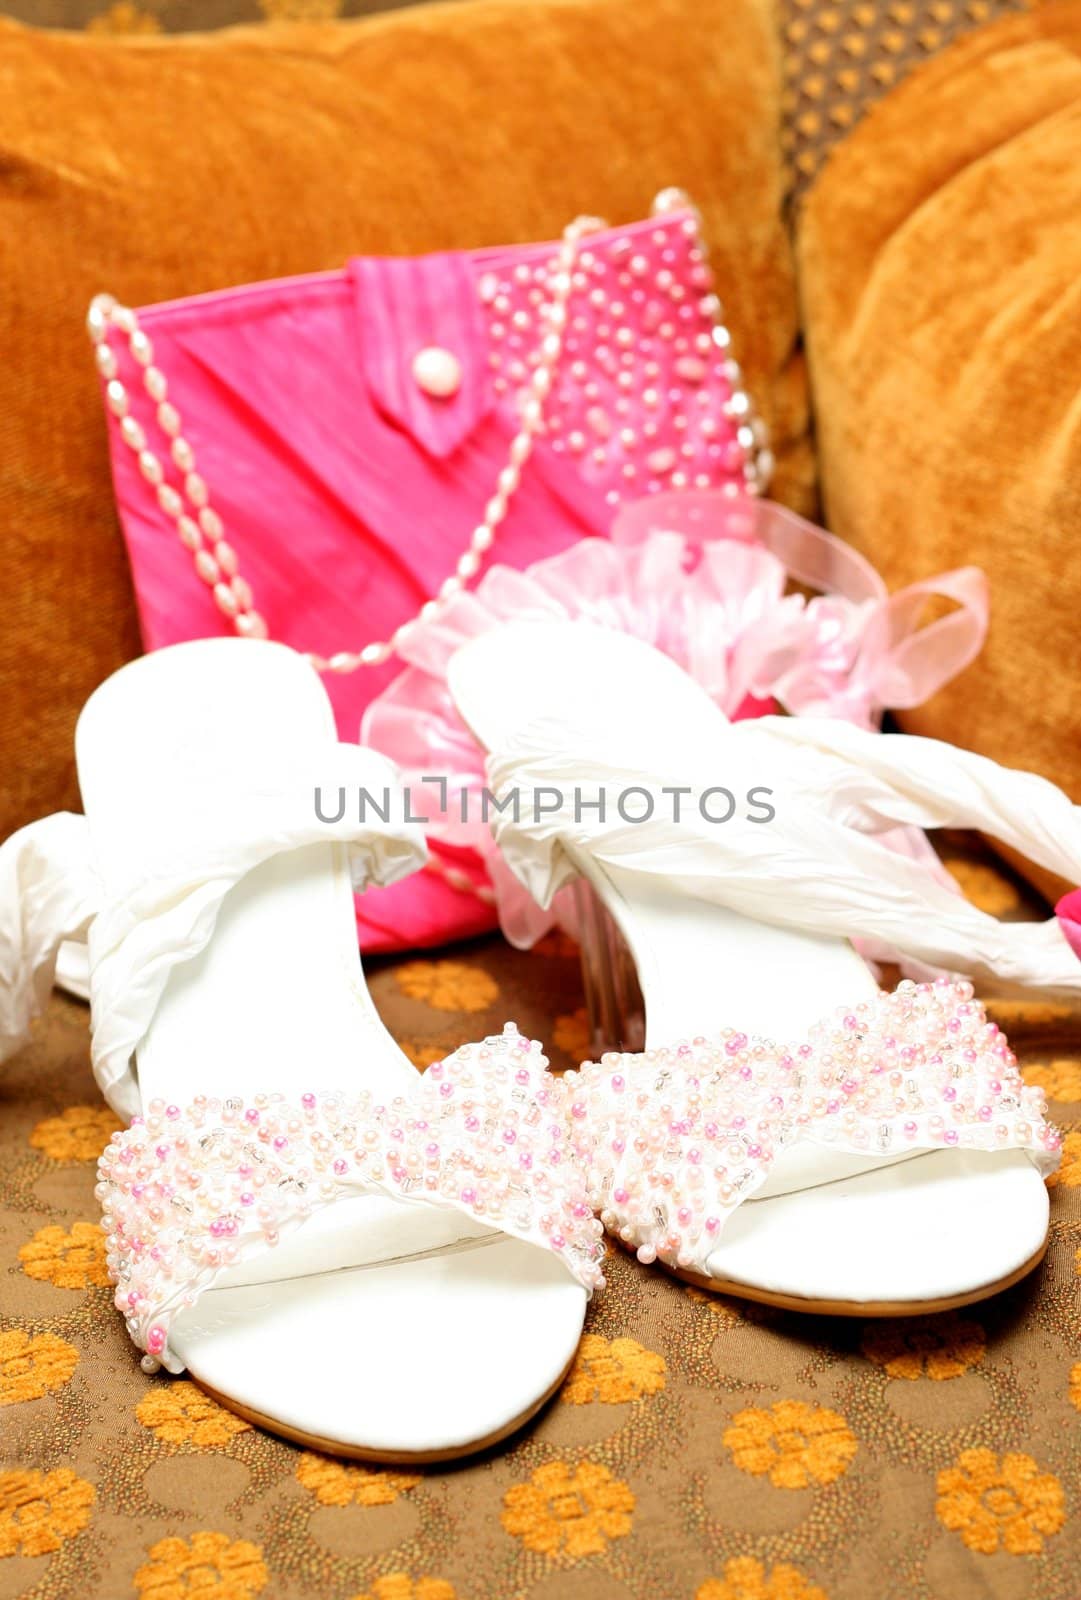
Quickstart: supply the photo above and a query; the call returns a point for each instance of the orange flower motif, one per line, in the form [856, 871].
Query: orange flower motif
[987, 889]
[727, 1311]
[207, 1564]
[78, 1134]
[1000, 1502]
[447, 985]
[794, 1443]
[39, 1511]
[31, 1367]
[421, 1053]
[180, 1413]
[571, 1034]
[747, 1579]
[72, 1260]
[1074, 1390]
[334, 1483]
[568, 1513]
[1059, 1080]
[613, 1372]
[1013, 1015]
[400, 1586]
[123, 17]
[1069, 1171]
[925, 1347]
[300, 10]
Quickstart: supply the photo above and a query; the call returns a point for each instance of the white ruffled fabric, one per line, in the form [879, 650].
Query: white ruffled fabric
[48, 893]
[140, 928]
[820, 865]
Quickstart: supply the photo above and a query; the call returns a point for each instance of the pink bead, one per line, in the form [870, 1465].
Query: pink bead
[207, 568]
[691, 369]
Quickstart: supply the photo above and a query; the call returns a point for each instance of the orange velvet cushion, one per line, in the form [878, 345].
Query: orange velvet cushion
[158, 167]
[940, 256]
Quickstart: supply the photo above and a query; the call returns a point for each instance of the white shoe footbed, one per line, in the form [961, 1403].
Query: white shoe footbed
[828, 1228]
[380, 1328]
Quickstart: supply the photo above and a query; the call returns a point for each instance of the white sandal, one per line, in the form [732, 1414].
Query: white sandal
[232, 1023]
[889, 1159]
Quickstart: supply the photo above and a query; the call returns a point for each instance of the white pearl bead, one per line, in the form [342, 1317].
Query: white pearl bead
[437, 372]
[226, 558]
[195, 489]
[211, 523]
[96, 321]
[116, 398]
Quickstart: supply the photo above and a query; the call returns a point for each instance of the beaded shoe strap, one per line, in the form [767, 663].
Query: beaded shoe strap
[673, 1140]
[187, 1194]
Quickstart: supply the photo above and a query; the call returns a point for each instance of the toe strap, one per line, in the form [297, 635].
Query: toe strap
[188, 1193]
[674, 1140]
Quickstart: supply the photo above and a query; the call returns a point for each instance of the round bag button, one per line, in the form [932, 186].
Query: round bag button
[437, 372]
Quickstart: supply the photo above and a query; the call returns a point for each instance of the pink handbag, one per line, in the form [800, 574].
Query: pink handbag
[332, 461]
[322, 458]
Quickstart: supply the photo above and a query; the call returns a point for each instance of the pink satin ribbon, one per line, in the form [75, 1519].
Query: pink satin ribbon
[855, 650]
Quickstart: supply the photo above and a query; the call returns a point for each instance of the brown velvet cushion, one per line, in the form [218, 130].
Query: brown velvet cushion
[157, 167]
[940, 256]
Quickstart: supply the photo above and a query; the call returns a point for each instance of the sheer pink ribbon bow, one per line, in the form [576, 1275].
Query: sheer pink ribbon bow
[703, 577]
[852, 651]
